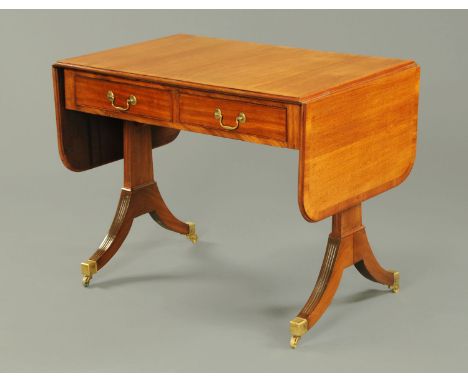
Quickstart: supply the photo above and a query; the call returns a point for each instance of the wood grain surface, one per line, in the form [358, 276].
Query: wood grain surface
[347, 245]
[140, 194]
[86, 141]
[267, 122]
[353, 118]
[87, 92]
[358, 143]
[261, 121]
[245, 68]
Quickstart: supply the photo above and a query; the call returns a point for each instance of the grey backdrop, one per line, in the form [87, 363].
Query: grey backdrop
[224, 305]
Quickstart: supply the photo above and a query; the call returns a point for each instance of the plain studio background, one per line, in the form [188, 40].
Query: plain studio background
[163, 304]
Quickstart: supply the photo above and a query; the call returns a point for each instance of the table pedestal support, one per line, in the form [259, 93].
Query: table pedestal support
[347, 245]
[140, 195]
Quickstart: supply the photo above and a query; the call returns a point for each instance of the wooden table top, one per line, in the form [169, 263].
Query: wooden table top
[353, 118]
[243, 67]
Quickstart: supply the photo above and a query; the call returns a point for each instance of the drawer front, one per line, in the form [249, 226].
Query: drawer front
[260, 120]
[90, 92]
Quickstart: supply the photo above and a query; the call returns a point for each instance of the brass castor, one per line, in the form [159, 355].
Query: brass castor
[293, 341]
[192, 235]
[88, 269]
[395, 287]
[86, 280]
[297, 328]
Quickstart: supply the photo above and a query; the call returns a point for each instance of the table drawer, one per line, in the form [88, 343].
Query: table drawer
[109, 96]
[236, 117]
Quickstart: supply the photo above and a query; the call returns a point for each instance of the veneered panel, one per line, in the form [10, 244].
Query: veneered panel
[358, 143]
[261, 121]
[90, 92]
[86, 141]
[235, 67]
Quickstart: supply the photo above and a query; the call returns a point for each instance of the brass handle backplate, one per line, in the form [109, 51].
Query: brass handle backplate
[130, 101]
[241, 118]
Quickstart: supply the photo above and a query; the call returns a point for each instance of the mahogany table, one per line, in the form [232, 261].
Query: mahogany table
[353, 119]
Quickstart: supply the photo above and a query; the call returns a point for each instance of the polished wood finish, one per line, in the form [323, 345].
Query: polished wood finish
[347, 245]
[87, 92]
[267, 122]
[86, 141]
[235, 67]
[352, 118]
[358, 143]
[261, 121]
[140, 194]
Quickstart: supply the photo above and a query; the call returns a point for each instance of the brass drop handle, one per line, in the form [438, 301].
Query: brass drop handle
[241, 118]
[130, 101]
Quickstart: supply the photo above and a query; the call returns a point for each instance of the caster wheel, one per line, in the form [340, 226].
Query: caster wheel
[192, 235]
[193, 238]
[395, 287]
[86, 280]
[293, 341]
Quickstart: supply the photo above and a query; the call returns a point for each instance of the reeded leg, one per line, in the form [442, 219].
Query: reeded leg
[338, 256]
[140, 195]
[117, 233]
[347, 245]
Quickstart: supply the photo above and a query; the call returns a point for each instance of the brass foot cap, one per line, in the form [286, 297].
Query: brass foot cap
[297, 327]
[88, 269]
[395, 287]
[192, 235]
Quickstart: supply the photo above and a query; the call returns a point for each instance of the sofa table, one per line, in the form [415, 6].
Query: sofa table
[353, 119]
